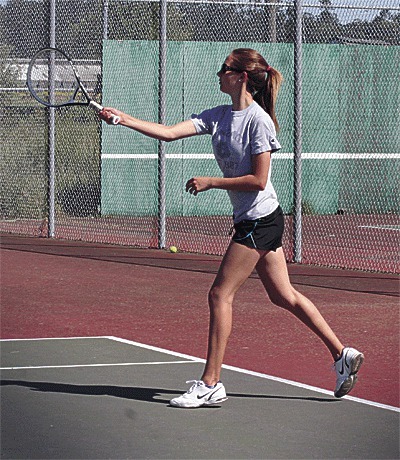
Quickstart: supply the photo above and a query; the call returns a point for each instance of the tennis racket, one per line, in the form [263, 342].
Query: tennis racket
[54, 81]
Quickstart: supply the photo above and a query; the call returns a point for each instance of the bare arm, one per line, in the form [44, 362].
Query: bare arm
[150, 129]
[255, 181]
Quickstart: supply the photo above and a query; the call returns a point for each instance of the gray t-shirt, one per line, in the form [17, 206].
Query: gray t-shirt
[236, 135]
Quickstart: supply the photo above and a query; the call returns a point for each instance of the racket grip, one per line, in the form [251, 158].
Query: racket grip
[115, 119]
[98, 108]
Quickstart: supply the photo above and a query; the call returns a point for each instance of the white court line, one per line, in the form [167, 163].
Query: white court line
[53, 338]
[258, 374]
[194, 359]
[68, 366]
[393, 228]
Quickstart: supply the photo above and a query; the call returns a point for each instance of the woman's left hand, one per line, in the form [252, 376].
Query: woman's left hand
[196, 185]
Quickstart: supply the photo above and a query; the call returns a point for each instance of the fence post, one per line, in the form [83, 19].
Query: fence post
[162, 72]
[297, 140]
[105, 19]
[52, 127]
[272, 21]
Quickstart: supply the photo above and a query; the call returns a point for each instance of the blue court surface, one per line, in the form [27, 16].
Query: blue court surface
[108, 398]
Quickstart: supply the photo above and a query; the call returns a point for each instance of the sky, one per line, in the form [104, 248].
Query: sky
[349, 14]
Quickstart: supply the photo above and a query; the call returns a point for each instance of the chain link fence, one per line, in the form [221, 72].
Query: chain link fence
[339, 118]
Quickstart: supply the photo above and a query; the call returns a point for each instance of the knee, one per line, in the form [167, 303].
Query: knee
[218, 296]
[287, 300]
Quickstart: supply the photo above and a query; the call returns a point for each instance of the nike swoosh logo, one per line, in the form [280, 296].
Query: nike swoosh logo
[341, 372]
[209, 393]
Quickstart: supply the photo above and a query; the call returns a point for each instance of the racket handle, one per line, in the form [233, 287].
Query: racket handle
[114, 119]
[98, 108]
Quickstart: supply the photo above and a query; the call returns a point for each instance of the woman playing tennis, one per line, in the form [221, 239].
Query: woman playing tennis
[244, 138]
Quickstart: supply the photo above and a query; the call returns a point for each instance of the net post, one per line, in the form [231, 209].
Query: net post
[162, 119]
[297, 140]
[52, 125]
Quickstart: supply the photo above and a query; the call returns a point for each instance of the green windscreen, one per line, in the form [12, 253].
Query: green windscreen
[347, 138]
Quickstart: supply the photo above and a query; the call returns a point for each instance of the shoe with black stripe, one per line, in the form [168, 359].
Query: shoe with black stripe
[200, 394]
[346, 367]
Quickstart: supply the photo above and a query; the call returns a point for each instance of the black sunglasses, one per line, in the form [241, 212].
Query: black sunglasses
[225, 68]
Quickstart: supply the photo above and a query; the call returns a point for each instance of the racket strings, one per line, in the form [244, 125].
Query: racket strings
[53, 80]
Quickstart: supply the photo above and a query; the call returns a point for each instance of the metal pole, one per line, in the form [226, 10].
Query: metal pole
[272, 22]
[100, 89]
[105, 19]
[297, 185]
[52, 127]
[162, 119]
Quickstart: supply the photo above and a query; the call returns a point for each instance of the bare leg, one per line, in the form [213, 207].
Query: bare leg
[273, 272]
[237, 265]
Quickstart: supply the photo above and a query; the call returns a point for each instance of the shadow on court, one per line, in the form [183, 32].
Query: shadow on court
[152, 395]
[95, 398]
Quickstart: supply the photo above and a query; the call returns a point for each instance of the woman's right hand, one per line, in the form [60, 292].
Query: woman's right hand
[107, 113]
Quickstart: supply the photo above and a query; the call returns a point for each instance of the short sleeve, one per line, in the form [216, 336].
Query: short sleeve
[202, 122]
[263, 136]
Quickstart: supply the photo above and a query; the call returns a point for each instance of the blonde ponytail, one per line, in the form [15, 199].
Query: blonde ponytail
[268, 95]
[263, 80]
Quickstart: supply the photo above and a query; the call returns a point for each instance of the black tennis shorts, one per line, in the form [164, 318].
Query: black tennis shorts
[264, 233]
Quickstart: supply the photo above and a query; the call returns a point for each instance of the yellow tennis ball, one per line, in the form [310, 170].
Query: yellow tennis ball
[173, 249]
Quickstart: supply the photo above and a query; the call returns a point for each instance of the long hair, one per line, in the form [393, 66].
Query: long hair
[263, 80]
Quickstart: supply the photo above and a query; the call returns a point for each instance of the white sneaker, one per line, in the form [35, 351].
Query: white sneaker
[346, 368]
[200, 394]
